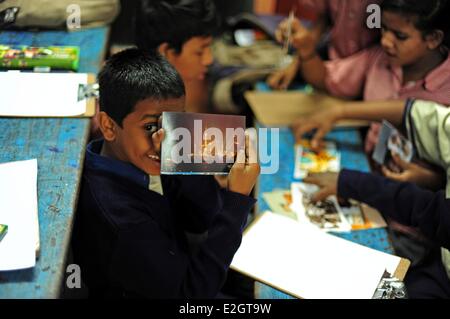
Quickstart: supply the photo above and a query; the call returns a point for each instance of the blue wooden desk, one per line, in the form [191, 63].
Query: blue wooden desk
[352, 157]
[58, 145]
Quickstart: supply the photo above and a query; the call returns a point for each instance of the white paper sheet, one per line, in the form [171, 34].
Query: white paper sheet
[41, 94]
[308, 263]
[18, 210]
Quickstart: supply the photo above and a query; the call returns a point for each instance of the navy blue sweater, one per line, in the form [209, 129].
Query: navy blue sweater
[404, 202]
[130, 241]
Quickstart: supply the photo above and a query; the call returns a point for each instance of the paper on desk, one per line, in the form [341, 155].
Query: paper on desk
[41, 94]
[18, 210]
[308, 263]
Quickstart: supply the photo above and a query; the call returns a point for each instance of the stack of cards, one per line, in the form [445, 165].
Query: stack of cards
[329, 215]
[326, 215]
[391, 141]
[308, 161]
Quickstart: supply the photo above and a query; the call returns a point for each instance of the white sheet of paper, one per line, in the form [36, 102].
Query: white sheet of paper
[41, 94]
[18, 210]
[308, 263]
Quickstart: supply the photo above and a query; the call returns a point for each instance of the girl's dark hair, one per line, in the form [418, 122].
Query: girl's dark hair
[429, 15]
[134, 75]
[174, 22]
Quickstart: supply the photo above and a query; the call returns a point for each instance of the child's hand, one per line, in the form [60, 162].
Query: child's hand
[280, 80]
[245, 171]
[304, 40]
[157, 139]
[328, 183]
[322, 121]
[414, 173]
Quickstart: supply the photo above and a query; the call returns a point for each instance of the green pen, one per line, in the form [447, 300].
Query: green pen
[3, 231]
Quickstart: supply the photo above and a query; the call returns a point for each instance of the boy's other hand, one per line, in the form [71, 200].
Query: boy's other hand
[281, 79]
[157, 139]
[414, 173]
[321, 121]
[245, 171]
[328, 183]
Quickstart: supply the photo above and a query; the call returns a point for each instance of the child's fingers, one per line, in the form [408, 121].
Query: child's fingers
[317, 139]
[391, 175]
[322, 195]
[274, 80]
[398, 160]
[301, 127]
[281, 30]
[157, 139]
[240, 158]
[312, 179]
[251, 147]
[285, 82]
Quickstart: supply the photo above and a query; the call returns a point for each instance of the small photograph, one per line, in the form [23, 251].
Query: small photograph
[200, 144]
[325, 214]
[279, 202]
[391, 140]
[328, 159]
[401, 146]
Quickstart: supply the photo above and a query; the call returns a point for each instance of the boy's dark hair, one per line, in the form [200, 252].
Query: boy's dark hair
[134, 75]
[174, 22]
[429, 15]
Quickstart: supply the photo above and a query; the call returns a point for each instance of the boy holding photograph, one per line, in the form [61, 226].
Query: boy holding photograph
[130, 233]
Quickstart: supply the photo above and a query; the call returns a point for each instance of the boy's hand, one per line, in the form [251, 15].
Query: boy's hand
[322, 121]
[328, 183]
[157, 139]
[414, 173]
[280, 80]
[245, 171]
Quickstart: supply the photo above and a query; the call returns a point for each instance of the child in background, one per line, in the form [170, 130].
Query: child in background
[412, 61]
[345, 19]
[130, 232]
[181, 31]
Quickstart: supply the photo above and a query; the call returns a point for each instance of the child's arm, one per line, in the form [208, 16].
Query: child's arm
[311, 65]
[313, 69]
[196, 200]
[323, 121]
[147, 260]
[281, 79]
[404, 202]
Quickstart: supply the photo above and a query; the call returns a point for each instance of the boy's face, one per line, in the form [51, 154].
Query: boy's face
[133, 142]
[193, 60]
[402, 42]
